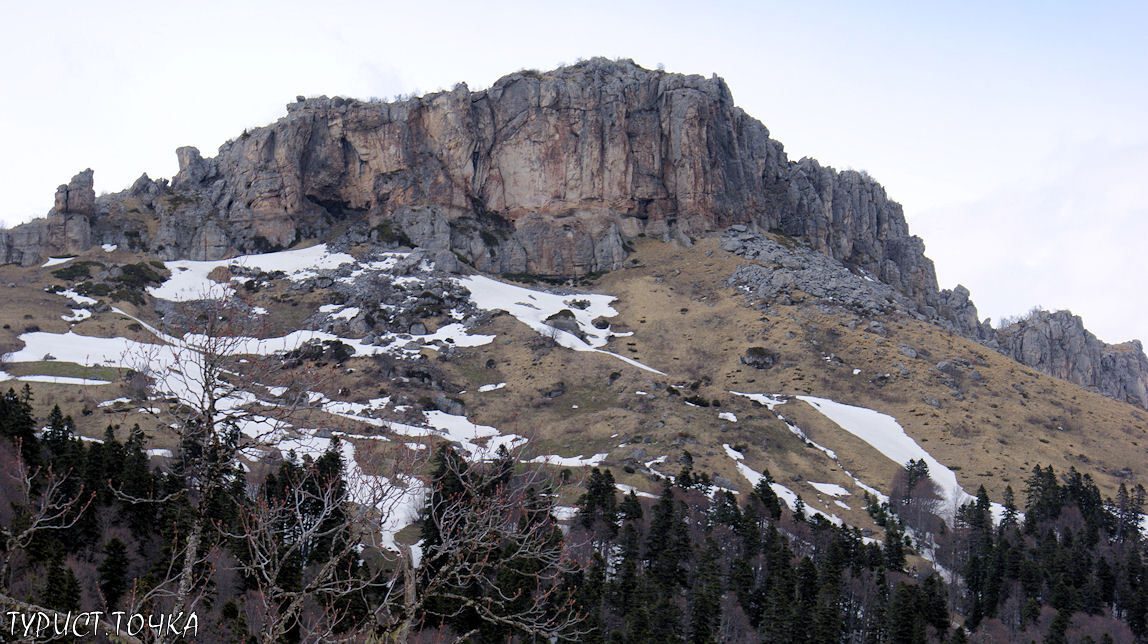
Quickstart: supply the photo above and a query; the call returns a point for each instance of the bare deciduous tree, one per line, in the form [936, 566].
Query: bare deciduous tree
[493, 555]
[38, 500]
[311, 548]
[208, 368]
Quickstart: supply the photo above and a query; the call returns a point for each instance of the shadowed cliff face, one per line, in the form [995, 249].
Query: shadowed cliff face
[544, 173]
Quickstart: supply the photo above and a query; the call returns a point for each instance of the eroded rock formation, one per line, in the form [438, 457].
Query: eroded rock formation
[545, 173]
[542, 173]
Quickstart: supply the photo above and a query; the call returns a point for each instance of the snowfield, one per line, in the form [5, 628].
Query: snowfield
[885, 434]
[532, 308]
[189, 279]
[832, 489]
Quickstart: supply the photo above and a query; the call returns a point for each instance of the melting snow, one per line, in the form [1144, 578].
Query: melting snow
[564, 512]
[82, 300]
[575, 461]
[832, 489]
[533, 307]
[109, 247]
[492, 387]
[189, 279]
[461, 430]
[64, 380]
[769, 401]
[785, 494]
[725, 415]
[78, 315]
[626, 489]
[56, 261]
[886, 435]
[343, 314]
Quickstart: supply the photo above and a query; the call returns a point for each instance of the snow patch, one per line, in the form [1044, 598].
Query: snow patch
[532, 308]
[189, 279]
[64, 380]
[626, 489]
[78, 315]
[832, 489]
[769, 401]
[574, 461]
[885, 434]
[82, 300]
[564, 512]
[725, 415]
[492, 387]
[56, 261]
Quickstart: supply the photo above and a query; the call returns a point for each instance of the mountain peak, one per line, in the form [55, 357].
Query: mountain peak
[552, 174]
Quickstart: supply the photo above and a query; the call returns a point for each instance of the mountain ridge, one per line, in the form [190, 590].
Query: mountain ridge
[551, 174]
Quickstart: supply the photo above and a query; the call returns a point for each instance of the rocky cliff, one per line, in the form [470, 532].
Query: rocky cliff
[1058, 344]
[543, 173]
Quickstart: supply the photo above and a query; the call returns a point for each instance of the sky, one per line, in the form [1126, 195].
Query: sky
[1014, 134]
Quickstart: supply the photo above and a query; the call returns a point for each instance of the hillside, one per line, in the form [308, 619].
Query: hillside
[596, 267]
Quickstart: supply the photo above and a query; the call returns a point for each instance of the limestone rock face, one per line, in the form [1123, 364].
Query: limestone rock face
[956, 307]
[69, 221]
[78, 196]
[547, 173]
[1058, 344]
[543, 173]
[24, 244]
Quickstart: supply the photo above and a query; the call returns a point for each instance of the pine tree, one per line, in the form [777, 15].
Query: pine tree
[19, 425]
[1009, 520]
[705, 603]
[626, 583]
[764, 491]
[58, 433]
[61, 588]
[906, 625]
[894, 547]
[631, 508]
[114, 572]
[877, 616]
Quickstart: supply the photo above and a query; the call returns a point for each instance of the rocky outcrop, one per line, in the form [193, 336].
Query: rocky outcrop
[543, 173]
[848, 216]
[955, 307]
[1055, 343]
[546, 173]
[1058, 344]
[69, 221]
[785, 271]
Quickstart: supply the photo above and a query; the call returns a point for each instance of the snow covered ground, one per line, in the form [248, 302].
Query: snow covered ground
[832, 489]
[533, 308]
[189, 279]
[574, 461]
[885, 434]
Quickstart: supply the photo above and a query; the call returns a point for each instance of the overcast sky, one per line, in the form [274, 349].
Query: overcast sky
[1016, 137]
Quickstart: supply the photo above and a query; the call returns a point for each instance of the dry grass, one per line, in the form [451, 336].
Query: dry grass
[687, 324]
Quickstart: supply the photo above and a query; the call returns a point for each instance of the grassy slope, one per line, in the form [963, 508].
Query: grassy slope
[689, 325]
